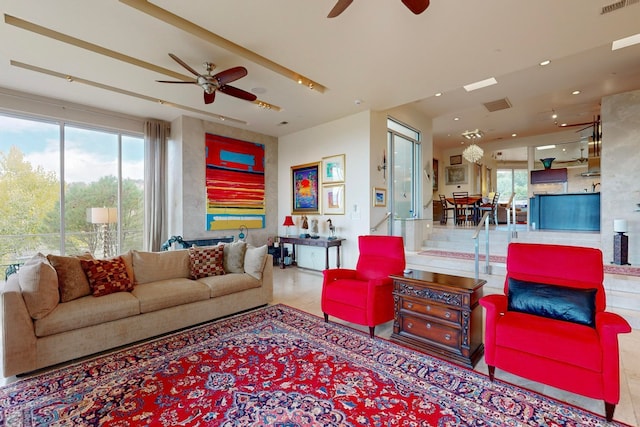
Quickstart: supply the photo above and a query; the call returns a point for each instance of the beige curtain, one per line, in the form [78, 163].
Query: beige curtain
[156, 135]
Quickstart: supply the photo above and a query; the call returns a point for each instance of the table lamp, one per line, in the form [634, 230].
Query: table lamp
[288, 221]
[620, 242]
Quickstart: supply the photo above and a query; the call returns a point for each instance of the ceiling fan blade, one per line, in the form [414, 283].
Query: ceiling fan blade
[340, 6]
[184, 64]
[230, 75]
[209, 97]
[238, 93]
[416, 6]
[177, 81]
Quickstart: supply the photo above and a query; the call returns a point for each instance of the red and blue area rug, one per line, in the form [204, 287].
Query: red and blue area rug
[275, 366]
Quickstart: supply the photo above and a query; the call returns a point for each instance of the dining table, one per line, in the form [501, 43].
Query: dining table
[474, 201]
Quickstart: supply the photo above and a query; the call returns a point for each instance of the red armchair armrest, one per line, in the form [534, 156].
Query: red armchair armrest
[495, 305]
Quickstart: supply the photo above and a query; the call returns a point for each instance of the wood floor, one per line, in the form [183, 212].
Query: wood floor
[301, 289]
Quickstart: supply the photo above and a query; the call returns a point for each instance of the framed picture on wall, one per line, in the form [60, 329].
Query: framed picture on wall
[454, 175]
[379, 197]
[305, 181]
[333, 199]
[435, 175]
[333, 169]
[455, 160]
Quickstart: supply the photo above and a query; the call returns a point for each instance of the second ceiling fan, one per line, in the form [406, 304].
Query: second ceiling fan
[211, 83]
[415, 6]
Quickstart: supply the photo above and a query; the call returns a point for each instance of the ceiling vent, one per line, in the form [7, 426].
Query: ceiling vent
[617, 5]
[498, 104]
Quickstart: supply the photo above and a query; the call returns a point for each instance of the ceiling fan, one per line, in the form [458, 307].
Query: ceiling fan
[415, 6]
[215, 82]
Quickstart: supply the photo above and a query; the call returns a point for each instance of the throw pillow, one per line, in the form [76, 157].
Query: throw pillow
[72, 281]
[577, 305]
[234, 257]
[254, 259]
[39, 284]
[107, 276]
[206, 261]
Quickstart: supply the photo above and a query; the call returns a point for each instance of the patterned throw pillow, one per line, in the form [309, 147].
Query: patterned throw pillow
[206, 261]
[107, 276]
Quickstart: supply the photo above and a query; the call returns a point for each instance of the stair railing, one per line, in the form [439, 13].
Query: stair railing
[476, 244]
[386, 217]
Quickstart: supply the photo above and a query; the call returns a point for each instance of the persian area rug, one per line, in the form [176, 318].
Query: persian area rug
[275, 366]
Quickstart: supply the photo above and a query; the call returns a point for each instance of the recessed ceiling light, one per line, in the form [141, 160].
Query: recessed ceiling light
[439, 94]
[514, 135]
[456, 118]
[545, 62]
[479, 85]
[575, 92]
[625, 42]
[563, 124]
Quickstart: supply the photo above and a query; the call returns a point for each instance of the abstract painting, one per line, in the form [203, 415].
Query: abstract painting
[235, 183]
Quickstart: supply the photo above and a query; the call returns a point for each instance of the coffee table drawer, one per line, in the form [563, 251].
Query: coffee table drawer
[435, 310]
[431, 331]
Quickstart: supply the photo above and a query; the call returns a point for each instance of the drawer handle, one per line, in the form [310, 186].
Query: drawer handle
[428, 308]
[428, 325]
[447, 314]
[447, 337]
[409, 305]
[409, 325]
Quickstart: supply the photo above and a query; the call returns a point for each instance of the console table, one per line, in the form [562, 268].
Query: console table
[439, 314]
[322, 242]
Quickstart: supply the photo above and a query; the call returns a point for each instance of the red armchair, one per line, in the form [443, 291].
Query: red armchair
[551, 325]
[364, 295]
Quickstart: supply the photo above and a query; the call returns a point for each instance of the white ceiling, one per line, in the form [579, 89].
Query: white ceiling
[377, 52]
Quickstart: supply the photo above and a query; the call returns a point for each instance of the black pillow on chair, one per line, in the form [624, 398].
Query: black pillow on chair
[556, 302]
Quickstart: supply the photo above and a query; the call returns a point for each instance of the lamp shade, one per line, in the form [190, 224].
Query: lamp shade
[620, 225]
[288, 220]
[102, 215]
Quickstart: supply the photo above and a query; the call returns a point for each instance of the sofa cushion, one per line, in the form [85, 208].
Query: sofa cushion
[230, 283]
[72, 281]
[234, 257]
[106, 276]
[566, 342]
[87, 311]
[565, 303]
[154, 266]
[39, 285]
[155, 296]
[206, 261]
[254, 260]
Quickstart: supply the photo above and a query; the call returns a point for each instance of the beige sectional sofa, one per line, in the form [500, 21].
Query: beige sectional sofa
[48, 317]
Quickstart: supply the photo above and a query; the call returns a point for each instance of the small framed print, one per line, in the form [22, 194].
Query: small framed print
[455, 160]
[333, 169]
[333, 199]
[379, 197]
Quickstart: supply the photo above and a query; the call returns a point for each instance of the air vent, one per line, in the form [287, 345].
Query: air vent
[498, 104]
[617, 5]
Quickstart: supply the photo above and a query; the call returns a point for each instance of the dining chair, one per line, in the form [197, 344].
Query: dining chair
[491, 207]
[445, 209]
[461, 207]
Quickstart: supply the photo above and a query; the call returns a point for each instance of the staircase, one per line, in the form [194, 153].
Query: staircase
[450, 250]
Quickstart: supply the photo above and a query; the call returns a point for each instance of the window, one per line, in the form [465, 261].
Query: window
[404, 170]
[513, 181]
[57, 181]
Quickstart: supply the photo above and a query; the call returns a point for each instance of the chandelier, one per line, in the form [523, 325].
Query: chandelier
[473, 153]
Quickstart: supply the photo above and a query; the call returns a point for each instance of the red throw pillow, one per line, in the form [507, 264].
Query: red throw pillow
[107, 276]
[206, 261]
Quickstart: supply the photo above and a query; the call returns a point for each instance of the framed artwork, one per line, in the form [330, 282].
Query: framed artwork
[235, 184]
[455, 160]
[435, 175]
[454, 175]
[478, 177]
[488, 180]
[305, 180]
[333, 199]
[379, 197]
[333, 169]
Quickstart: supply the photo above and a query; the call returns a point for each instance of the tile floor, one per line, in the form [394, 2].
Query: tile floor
[301, 289]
